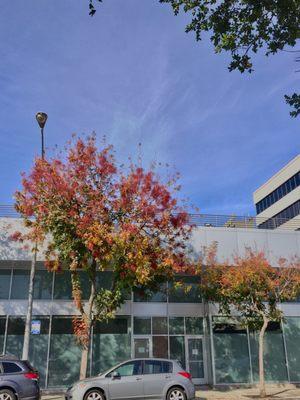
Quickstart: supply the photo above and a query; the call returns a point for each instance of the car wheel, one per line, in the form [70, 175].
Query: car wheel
[6, 394]
[94, 394]
[176, 394]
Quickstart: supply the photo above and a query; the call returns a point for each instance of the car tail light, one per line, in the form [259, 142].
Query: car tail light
[186, 375]
[32, 375]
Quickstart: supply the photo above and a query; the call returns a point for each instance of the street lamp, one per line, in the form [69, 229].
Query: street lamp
[41, 118]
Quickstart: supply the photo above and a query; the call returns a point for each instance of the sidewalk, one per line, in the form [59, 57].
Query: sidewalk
[275, 392]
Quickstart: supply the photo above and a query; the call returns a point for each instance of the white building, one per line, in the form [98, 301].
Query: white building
[277, 201]
[171, 323]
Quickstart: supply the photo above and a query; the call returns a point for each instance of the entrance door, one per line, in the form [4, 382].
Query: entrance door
[142, 347]
[195, 358]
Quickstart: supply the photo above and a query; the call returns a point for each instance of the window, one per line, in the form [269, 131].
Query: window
[65, 354]
[2, 332]
[144, 295]
[231, 352]
[10, 368]
[288, 213]
[157, 367]
[176, 325]
[129, 369]
[142, 326]
[43, 285]
[177, 349]
[160, 346]
[20, 284]
[185, 289]
[62, 286]
[159, 325]
[194, 326]
[5, 275]
[274, 361]
[278, 193]
[111, 343]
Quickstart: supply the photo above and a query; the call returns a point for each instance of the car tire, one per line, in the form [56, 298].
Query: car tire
[6, 394]
[94, 394]
[176, 393]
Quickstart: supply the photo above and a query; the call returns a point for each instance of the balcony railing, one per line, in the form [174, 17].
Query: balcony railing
[210, 220]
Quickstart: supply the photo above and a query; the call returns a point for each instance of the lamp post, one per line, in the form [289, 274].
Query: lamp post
[41, 118]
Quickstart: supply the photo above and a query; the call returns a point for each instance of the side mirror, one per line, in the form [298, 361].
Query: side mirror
[116, 375]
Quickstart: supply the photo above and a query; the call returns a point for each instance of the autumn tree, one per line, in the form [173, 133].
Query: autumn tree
[242, 28]
[93, 216]
[253, 288]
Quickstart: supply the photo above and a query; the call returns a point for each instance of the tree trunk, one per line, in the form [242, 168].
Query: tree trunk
[25, 353]
[262, 385]
[89, 321]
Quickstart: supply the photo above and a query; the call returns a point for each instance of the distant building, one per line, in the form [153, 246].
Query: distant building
[277, 201]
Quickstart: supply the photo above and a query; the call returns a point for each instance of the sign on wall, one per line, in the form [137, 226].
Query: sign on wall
[35, 327]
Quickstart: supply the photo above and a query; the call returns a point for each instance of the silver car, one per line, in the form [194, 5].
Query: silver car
[156, 379]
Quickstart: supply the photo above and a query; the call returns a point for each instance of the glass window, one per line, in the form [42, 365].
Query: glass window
[20, 284]
[145, 295]
[10, 367]
[2, 333]
[5, 275]
[232, 363]
[65, 354]
[130, 368]
[43, 285]
[159, 325]
[62, 286]
[15, 336]
[38, 348]
[111, 343]
[160, 346]
[185, 289]
[292, 340]
[177, 349]
[176, 325]
[274, 361]
[142, 325]
[141, 347]
[194, 326]
[157, 367]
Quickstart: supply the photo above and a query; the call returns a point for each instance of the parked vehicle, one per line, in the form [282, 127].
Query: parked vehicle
[18, 379]
[139, 379]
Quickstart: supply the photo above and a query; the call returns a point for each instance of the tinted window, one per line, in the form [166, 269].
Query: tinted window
[129, 369]
[157, 367]
[10, 368]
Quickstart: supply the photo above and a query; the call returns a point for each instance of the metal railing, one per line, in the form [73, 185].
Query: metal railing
[210, 220]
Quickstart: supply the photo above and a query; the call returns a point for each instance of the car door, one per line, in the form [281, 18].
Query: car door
[126, 381]
[157, 374]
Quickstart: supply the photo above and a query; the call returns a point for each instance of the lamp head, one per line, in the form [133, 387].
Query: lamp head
[41, 118]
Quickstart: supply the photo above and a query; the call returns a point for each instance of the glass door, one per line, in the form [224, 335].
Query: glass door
[195, 359]
[142, 347]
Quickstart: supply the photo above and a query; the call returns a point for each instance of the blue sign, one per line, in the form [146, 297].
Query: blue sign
[35, 327]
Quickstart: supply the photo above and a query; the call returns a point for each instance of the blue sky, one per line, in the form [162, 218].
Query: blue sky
[133, 74]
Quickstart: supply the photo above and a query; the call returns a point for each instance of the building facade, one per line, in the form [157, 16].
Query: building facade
[173, 322]
[277, 201]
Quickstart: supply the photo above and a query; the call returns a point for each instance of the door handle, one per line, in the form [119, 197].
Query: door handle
[138, 379]
[167, 376]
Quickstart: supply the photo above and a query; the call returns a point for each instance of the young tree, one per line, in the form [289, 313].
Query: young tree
[253, 288]
[96, 216]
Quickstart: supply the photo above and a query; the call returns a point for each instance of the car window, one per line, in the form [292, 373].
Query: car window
[157, 367]
[10, 367]
[129, 369]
